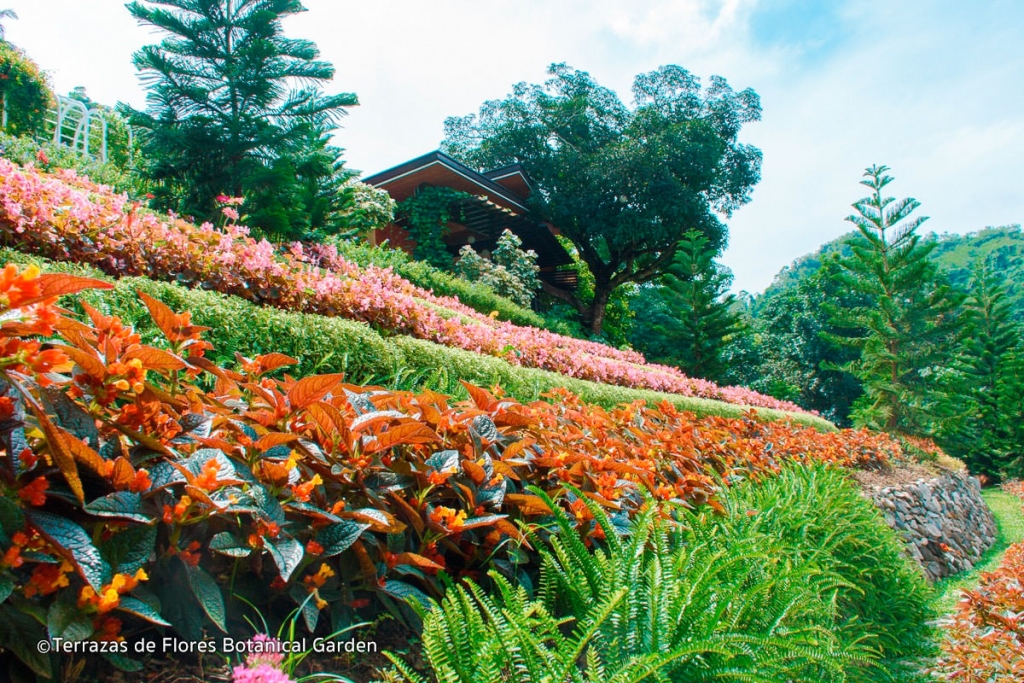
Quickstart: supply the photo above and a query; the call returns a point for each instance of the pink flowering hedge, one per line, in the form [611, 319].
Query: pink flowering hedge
[68, 218]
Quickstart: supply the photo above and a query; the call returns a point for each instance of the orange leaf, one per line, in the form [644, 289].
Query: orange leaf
[379, 520]
[87, 361]
[122, 473]
[404, 434]
[475, 472]
[481, 397]
[411, 513]
[366, 565]
[59, 284]
[274, 472]
[329, 418]
[162, 315]
[62, 456]
[528, 504]
[274, 439]
[310, 389]
[509, 529]
[419, 561]
[153, 358]
[273, 361]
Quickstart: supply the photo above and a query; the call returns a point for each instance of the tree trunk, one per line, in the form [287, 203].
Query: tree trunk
[593, 316]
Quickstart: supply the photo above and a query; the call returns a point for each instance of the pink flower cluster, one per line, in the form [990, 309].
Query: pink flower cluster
[68, 218]
[263, 673]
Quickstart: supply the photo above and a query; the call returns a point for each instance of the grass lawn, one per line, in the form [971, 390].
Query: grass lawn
[1010, 525]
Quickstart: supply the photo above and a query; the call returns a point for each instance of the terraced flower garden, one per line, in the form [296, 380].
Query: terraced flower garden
[154, 488]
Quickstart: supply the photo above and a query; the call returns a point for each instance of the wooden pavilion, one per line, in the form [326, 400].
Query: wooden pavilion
[498, 202]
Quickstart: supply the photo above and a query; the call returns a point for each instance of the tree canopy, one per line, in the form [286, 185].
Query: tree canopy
[236, 107]
[624, 184]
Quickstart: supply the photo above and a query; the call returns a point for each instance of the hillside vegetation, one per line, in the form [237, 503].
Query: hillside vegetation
[955, 254]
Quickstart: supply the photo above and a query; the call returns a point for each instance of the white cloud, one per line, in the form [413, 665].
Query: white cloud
[928, 89]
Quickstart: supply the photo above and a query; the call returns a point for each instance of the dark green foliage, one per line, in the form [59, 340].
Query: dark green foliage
[787, 352]
[696, 318]
[234, 108]
[622, 184]
[801, 580]
[907, 326]
[24, 91]
[986, 400]
[425, 216]
[1009, 436]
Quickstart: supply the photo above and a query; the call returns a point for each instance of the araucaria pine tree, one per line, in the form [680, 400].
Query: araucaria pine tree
[700, 317]
[908, 326]
[992, 396]
[236, 108]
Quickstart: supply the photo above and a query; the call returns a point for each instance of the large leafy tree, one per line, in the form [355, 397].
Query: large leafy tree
[236, 107]
[623, 184]
[907, 326]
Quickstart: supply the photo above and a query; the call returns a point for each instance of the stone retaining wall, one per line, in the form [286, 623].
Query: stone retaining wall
[944, 520]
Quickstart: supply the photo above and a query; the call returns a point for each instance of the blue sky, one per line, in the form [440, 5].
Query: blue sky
[932, 89]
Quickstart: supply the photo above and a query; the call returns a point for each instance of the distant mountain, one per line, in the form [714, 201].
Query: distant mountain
[954, 253]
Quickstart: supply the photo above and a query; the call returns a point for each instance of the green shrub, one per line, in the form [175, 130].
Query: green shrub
[323, 344]
[816, 514]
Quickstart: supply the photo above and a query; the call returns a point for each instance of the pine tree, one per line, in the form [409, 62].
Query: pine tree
[235, 107]
[1008, 439]
[905, 331]
[700, 317]
[991, 337]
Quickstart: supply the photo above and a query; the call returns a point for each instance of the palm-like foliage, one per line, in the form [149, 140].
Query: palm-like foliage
[234, 106]
[6, 14]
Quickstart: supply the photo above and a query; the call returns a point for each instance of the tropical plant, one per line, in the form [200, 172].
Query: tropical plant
[668, 595]
[814, 513]
[622, 184]
[235, 108]
[907, 326]
[984, 641]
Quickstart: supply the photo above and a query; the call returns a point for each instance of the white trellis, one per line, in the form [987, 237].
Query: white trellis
[81, 128]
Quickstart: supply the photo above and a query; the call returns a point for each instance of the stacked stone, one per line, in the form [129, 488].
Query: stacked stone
[944, 521]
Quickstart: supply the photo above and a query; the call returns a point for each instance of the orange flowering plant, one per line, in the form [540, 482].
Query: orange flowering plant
[147, 487]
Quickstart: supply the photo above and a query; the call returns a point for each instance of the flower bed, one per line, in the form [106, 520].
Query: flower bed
[144, 485]
[984, 642]
[67, 218]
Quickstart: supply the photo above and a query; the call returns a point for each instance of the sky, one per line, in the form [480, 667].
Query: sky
[930, 88]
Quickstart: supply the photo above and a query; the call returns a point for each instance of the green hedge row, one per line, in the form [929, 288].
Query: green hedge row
[322, 344]
[476, 295]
